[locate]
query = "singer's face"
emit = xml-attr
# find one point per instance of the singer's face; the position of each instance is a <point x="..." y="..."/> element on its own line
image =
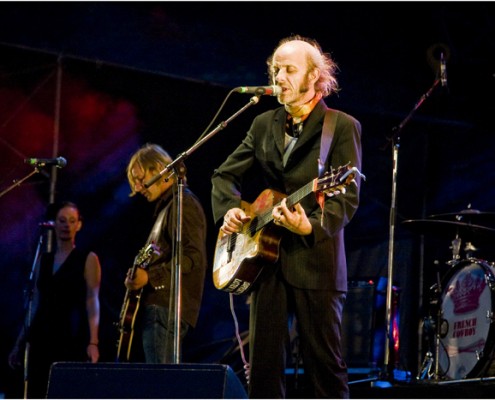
<point x="140" y="177"/>
<point x="290" y="72"/>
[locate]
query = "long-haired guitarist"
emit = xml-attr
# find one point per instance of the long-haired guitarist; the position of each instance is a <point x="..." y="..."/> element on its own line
<point x="155" y="280"/>
<point x="302" y="249"/>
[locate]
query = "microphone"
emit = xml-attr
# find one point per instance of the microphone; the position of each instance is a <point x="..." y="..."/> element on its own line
<point x="443" y="70"/>
<point x="260" y="90"/>
<point x="47" y="224"/>
<point x="60" y="162"/>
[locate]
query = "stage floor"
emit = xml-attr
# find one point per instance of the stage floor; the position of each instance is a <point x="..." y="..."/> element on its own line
<point x="484" y="389"/>
<point x="481" y="388"/>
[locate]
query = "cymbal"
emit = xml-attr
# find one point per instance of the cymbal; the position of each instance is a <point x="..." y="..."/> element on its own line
<point x="452" y="228"/>
<point x="469" y="216"/>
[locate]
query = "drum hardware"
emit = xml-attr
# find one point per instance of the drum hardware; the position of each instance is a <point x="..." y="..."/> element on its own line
<point x="425" y="372"/>
<point x="455" y="229"/>
<point x="461" y="337"/>
<point x="434" y="327"/>
<point x="438" y="333"/>
<point x="456" y="247"/>
<point x="468" y="380"/>
<point x="490" y="280"/>
<point x="469" y="249"/>
<point x="451" y="228"/>
<point x="469" y="216"/>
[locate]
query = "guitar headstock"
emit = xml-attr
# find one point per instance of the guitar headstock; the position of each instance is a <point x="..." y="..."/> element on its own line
<point x="335" y="181"/>
<point x="145" y="255"/>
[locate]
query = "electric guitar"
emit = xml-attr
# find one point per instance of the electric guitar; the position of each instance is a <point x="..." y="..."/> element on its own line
<point x="130" y="306"/>
<point x="235" y="264"/>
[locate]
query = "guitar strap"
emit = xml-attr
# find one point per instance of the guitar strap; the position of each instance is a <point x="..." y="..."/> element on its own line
<point x="157" y="227"/>
<point x="329" y="123"/>
<point x="327" y="133"/>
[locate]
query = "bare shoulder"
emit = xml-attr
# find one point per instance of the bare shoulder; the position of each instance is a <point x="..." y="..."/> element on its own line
<point x="92" y="260"/>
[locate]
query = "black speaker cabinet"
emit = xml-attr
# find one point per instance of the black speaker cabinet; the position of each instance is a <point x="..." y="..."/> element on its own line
<point x="358" y="324"/>
<point x="71" y="380"/>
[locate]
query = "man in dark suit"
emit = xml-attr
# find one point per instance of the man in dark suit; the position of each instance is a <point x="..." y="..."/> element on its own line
<point x="309" y="278"/>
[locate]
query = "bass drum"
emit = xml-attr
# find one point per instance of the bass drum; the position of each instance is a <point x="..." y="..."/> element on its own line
<point x="467" y="333"/>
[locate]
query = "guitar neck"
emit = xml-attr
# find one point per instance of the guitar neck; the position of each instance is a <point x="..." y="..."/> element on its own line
<point x="132" y="271"/>
<point x="265" y="218"/>
<point x="300" y="194"/>
<point x="331" y="183"/>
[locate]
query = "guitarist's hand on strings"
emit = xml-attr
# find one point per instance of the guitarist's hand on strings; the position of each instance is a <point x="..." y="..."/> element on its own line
<point x="140" y="279"/>
<point x="234" y="220"/>
<point x="295" y="220"/>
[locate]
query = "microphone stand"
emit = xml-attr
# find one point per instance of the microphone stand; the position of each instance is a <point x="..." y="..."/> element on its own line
<point x="180" y="173"/>
<point x="29" y="294"/>
<point x="390" y="273"/>
<point x="28" y="307"/>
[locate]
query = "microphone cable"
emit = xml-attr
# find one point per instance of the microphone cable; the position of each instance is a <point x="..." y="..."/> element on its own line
<point x="239" y="340"/>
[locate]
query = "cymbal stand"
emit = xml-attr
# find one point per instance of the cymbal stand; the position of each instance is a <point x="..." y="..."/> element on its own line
<point x="431" y="359"/>
<point x="456" y="248"/>
<point x="425" y="370"/>
<point x="436" y="374"/>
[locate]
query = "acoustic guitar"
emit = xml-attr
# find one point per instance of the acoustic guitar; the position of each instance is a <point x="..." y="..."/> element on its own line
<point x="236" y="264"/>
<point x="131" y="302"/>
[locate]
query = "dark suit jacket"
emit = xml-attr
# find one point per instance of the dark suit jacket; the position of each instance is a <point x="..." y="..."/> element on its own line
<point x="316" y="261"/>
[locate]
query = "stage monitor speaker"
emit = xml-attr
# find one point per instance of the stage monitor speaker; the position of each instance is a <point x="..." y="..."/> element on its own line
<point x="74" y="380"/>
<point x="358" y="324"/>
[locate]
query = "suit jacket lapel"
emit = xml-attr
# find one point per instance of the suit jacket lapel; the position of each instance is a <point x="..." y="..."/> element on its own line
<point x="278" y="130"/>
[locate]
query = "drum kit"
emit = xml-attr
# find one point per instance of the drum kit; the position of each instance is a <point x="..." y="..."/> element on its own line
<point x="462" y="345"/>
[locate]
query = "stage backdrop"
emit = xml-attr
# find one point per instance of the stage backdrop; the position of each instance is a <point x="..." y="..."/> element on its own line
<point x="95" y="107"/>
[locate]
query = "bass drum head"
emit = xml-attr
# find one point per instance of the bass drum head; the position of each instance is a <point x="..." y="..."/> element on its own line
<point x="466" y="332"/>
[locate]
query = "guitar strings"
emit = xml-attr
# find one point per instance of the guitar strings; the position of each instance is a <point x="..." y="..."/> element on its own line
<point x="294" y="198"/>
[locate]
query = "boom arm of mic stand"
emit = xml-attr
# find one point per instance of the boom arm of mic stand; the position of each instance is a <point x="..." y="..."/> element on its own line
<point x="199" y="143"/>
<point x="417" y="105"/>
<point x="393" y="217"/>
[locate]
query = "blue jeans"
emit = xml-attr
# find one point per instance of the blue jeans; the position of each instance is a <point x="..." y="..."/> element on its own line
<point x="158" y="335"/>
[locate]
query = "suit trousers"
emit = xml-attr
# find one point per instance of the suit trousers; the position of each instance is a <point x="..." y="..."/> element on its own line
<point x="319" y="324"/>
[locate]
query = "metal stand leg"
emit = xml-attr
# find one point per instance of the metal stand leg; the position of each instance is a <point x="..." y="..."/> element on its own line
<point x="425" y="371"/>
<point x="432" y="325"/>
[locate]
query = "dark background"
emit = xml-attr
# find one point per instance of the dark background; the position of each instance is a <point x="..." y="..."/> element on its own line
<point x="93" y="81"/>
